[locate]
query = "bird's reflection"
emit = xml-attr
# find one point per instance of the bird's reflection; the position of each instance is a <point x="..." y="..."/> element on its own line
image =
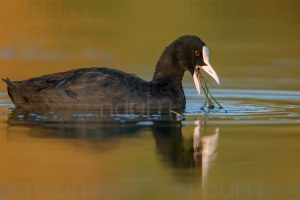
<point x="208" y="151"/>
<point x="197" y="152"/>
<point x="170" y="144"/>
<point x="180" y="147"/>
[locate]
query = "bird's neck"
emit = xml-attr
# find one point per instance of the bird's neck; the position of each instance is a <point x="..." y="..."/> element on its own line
<point x="168" y="67"/>
<point x="164" y="73"/>
<point x="167" y="80"/>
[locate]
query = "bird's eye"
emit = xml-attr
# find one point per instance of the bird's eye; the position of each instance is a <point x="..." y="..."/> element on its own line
<point x="197" y="53"/>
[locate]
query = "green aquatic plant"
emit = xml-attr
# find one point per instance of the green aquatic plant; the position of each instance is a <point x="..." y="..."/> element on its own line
<point x="210" y="99"/>
<point x="200" y="80"/>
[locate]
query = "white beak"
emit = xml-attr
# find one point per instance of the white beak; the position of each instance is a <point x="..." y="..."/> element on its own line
<point x="207" y="68"/>
<point x="197" y="81"/>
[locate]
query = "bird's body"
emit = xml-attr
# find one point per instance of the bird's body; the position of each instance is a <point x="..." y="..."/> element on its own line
<point x="110" y="88"/>
<point x="103" y="87"/>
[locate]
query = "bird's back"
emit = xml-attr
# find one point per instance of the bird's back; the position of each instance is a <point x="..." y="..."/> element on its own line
<point x="86" y="87"/>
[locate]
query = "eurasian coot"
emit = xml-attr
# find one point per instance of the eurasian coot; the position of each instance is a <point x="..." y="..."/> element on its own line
<point x="100" y="87"/>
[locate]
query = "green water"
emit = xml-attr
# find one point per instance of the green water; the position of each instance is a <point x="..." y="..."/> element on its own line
<point x="248" y="150"/>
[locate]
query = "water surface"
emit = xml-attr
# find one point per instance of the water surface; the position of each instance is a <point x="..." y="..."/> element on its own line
<point x="248" y="150"/>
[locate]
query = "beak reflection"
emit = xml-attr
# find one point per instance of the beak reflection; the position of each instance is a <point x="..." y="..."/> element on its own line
<point x="207" y="153"/>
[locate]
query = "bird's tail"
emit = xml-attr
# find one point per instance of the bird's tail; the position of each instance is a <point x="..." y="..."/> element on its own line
<point x="11" y="88"/>
<point x="7" y="81"/>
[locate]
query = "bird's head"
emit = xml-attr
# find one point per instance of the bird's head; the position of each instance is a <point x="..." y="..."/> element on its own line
<point x="193" y="55"/>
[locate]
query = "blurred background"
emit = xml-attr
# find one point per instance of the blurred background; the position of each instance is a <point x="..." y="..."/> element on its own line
<point x="254" y="44"/>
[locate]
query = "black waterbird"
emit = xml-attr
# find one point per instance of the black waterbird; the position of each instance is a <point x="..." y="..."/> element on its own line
<point x="98" y="87"/>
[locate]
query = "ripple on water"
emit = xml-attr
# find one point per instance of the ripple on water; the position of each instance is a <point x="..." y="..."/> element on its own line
<point x="250" y="106"/>
<point x="240" y="107"/>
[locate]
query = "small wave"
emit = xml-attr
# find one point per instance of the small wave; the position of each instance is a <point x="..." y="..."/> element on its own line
<point x="239" y="107"/>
